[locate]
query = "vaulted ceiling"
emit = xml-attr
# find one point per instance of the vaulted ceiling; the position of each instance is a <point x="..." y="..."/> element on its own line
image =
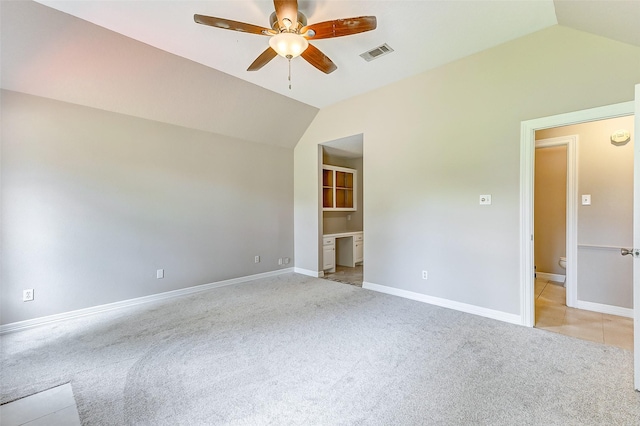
<point x="98" y="54"/>
<point x="423" y="34"/>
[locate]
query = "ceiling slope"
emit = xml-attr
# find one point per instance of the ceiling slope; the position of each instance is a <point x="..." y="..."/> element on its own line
<point x="618" y="20"/>
<point x="424" y="34"/>
<point x="52" y="54"/>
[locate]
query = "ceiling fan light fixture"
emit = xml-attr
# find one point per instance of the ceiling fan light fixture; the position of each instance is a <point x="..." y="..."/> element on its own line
<point x="288" y="45"/>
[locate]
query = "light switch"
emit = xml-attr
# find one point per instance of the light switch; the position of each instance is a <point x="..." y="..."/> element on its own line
<point x="586" y="200"/>
<point x="485" y="199"/>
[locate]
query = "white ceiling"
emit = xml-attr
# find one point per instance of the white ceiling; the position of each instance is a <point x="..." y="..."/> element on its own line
<point x="347" y="147"/>
<point x="50" y="54"/>
<point x="56" y="55"/>
<point x="424" y="34"/>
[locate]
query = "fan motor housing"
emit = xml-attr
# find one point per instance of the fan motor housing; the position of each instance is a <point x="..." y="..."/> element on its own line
<point x="302" y="22"/>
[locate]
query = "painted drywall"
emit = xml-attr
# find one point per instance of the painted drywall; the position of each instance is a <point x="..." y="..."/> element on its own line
<point x="550" y="214"/>
<point x="605" y="171"/>
<point x="94" y="202"/>
<point x="436" y="141"/>
<point x="337" y="222"/>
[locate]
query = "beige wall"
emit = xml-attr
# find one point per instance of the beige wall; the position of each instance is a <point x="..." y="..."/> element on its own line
<point x="550" y="208"/>
<point x="94" y="202"/>
<point x="436" y="141"/>
<point x="605" y="171"/>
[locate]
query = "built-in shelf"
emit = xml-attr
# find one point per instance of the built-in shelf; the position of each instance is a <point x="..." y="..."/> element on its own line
<point x="338" y="188"/>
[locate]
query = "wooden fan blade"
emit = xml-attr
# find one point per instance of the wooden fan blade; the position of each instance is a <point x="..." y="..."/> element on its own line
<point x="341" y="27"/>
<point x="319" y="60"/>
<point x="263" y="59"/>
<point x="286" y="9"/>
<point x="227" y="24"/>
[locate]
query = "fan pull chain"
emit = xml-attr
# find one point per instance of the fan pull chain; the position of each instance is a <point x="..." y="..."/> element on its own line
<point x="289" y="57"/>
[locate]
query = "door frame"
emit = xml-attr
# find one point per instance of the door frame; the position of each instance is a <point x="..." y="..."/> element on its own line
<point x="527" y="158"/>
<point x="571" y="203"/>
<point x="636" y="243"/>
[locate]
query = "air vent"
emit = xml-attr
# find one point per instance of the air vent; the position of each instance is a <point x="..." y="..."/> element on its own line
<point x="377" y="52"/>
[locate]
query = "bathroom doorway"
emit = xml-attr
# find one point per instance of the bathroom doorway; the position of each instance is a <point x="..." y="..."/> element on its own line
<point x="596" y="303"/>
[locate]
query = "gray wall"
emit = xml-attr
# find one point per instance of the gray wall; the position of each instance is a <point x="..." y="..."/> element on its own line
<point x="605" y="171"/>
<point x="436" y="141"/>
<point x="94" y="202"/>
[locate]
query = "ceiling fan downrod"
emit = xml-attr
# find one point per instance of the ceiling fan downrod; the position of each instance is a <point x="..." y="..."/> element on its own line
<point x="289" y="57"/>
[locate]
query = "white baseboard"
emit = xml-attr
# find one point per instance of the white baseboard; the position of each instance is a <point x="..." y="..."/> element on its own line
<point x="445" y="303"/>
<point x="559" y="278"/>
<point x="604" y="309"/>
<point x="22" y="325"/>
<point x="308" y="272"/>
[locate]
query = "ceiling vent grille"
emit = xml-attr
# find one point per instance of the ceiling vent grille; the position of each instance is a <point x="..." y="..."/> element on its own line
<point x="377" y="52"/>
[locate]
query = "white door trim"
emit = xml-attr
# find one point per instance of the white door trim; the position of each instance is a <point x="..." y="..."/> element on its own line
<point x="636" y="243"/>
<point x="571" y="250"/>
<point x="527" y="157"/>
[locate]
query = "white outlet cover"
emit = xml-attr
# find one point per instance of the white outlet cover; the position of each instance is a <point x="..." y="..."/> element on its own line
<point x="485" y="199"/>
<point x="27" y="295"/>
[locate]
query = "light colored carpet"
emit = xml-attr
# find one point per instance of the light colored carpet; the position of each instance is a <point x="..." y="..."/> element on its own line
<point x="303" y="351"/>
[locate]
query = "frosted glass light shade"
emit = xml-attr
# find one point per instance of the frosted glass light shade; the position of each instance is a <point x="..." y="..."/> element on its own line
<point x="288" y="44"/>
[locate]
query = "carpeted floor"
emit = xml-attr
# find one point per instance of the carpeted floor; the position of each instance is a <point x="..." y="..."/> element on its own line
<point x="303" y="351"/>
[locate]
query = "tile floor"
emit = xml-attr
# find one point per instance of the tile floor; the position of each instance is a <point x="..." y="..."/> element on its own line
<point x="53" y="407"/>
<point x="347" y="275"/>
<point x="552" y="314"/>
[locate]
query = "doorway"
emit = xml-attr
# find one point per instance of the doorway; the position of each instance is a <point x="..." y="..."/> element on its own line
<point x="599" y="292"/>
<point x="341" y="216"/>
<point x="527" y="155"/>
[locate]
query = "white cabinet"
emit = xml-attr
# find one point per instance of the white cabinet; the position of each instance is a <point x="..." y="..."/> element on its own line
<point x="358" y="248"/>
<point x="345" y="249"/>
<point x="339" y="186"/>
<point x="328" y="253"/>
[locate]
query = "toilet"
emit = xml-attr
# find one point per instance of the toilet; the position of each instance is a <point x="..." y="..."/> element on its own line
<point x="563" y="262"/>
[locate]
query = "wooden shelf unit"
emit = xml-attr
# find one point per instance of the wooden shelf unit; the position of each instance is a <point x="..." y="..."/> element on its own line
<point x="339" y="186"/>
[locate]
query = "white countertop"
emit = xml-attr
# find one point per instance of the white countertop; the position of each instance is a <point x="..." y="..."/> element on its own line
<point x="343" y="234"/>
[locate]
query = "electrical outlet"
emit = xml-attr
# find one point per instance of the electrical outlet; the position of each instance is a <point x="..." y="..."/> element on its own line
<point x="425" y="275"/>
<point x="280" y="261"/>
<point x="286" y="260"/>
<point x="27" y="295"/>
<point x="160" y="273"/>
<point x="256" y="259"/>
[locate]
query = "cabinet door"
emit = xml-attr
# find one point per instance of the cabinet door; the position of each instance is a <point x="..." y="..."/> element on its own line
<point x="328" y="257"/>
<point x="359" y="251"/>
<point x="328" y="188"/>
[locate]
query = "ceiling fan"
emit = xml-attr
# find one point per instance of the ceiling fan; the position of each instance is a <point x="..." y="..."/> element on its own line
<point x="289" y="34"/>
